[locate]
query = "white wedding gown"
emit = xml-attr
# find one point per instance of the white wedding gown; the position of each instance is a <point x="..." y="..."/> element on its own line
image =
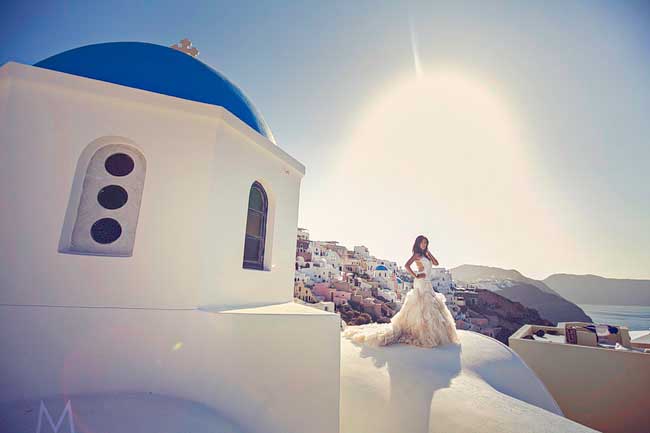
<point x="424" y="320"/>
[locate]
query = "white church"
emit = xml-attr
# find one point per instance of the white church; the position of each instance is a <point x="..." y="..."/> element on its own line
<point x="148" y="231"/>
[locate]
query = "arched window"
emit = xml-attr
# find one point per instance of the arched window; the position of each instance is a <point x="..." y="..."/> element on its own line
<point x="109" y="202"/>
<point x="256" y="227"/>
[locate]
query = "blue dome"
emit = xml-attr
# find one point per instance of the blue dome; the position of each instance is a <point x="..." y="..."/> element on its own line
<point x="158" y="69"/>
<point x="381" y="268"/>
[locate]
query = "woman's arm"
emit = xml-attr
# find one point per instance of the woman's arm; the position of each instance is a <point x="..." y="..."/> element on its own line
<point x="433" y="259"/>
<point x="407" y="265"/>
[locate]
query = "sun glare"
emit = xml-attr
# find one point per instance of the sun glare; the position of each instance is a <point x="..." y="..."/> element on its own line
<point x="449" y="146"/>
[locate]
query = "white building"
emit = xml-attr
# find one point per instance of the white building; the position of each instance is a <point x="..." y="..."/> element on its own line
<point x="387" y="294"/>
<point x="362" y="251"/>
<point x="333" y="259"/>
<point x="386" y="277"/>
<point x="371" y="264"/>
<point x="303" y="234"/>
<point x="146" y="207"/>
<point x="320" y="271"/>
<point x="302" y="277"/>
<point x="316" y="249"/>
<point x="300" y="262"/>
<point x="382" y="272"/>
<point x="442" y="281"/>
<point x="393" y="266"/>
<point x="364" y="285"/>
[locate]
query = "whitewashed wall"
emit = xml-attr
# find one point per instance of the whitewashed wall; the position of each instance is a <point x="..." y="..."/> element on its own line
<point x="201" y="162"/>
<point x="259" y="367"/>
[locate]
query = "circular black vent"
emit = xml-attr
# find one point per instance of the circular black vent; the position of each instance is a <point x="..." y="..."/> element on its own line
<point x="106" y="230"/>
<point x="112" y="197"/>
<point x="119" y="164"/>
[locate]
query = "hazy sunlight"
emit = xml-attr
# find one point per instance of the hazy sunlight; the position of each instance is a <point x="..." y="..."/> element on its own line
<point x="449" y="144"/>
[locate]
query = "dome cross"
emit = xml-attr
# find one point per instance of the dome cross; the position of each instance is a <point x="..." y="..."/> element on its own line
<point x="185" y="46"/>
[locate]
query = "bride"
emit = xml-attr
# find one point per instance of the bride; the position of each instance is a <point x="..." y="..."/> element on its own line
<point x="424" y="320"/>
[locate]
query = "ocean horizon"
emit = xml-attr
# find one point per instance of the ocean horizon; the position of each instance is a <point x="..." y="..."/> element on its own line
<point x="635" y="317"/>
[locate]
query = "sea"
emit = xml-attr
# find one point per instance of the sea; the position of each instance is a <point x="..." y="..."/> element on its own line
<point x="636" y="318"/>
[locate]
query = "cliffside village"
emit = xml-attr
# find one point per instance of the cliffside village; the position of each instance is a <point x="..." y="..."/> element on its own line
<point x="362" y="288"/>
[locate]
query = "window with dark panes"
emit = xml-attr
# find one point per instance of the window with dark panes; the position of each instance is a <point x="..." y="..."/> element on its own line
<point x="255" y="228"/>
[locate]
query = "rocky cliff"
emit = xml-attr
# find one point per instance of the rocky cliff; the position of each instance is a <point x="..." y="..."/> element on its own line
<point x="505" y="314"/>
<point x="519" y="288"/>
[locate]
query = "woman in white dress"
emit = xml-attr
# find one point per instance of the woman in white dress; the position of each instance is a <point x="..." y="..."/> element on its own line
<point x="424" y="320"/>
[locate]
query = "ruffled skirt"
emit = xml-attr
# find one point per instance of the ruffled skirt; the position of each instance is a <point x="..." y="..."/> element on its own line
<point x="424" y="320"/>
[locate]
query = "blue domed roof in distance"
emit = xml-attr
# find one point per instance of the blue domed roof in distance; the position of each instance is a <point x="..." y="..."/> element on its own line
<point x="158" y="69"/>
<point x="381" y="268"/>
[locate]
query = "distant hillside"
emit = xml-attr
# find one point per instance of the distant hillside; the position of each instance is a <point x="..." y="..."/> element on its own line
<point x="592" y="289"/>
<point x="480" y="272"/>
<point x="519" y="288"/>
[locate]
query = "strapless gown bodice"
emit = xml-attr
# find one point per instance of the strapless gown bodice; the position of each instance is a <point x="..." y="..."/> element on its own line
<point x="426" y="263"/>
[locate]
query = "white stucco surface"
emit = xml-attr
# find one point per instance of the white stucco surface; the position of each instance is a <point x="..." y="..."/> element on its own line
<point x="114" y="413"/>
<point x="250" y="366"/>
<point x="201" y="162"/>
<point x="480" y="386"/>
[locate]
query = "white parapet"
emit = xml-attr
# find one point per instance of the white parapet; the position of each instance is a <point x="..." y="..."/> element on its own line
<point x="254" y="366"/>
<point x="603" y="388"/>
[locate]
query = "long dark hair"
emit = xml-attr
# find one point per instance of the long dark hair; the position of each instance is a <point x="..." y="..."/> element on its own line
<point x="416" y="246"/>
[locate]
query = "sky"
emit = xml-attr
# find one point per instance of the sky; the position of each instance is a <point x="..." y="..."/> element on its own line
<point x="511" y="134"/>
